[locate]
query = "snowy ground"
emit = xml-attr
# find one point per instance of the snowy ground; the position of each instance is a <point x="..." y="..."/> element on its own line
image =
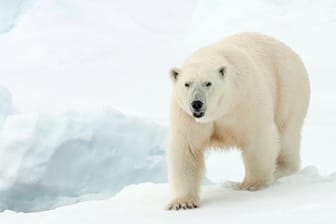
<point x="70" y="65"/>
<point x="305" y="197"/>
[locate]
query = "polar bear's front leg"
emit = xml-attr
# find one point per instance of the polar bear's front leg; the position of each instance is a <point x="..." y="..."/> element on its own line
<point x="260" y="160"/>
<point x="185" y="171"/>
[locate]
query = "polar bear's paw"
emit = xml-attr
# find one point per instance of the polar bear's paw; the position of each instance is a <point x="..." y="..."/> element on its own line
<point x="253" y="186"/>
<point x="183" y="203"/>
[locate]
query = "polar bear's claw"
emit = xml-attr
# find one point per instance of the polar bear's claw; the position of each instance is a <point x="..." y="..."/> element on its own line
<point x="176" y="205"/>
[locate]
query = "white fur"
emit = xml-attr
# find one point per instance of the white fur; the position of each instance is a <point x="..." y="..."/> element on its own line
<point x="258" y="106"/>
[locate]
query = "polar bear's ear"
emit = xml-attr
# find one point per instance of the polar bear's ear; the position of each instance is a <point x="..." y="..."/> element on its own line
<point x="221" y="70"/>
<point x="174" y="73"/>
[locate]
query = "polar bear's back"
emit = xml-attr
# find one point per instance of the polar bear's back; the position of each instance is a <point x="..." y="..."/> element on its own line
<point x="284" y="71"/>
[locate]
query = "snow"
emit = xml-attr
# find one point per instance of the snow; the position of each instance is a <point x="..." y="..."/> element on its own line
<point x="5" y="106"/>
<point x="305" y="196"/>
<point x="11" y="12"/>
<point x="104" y="44"/>
<point x="69" y="67"/>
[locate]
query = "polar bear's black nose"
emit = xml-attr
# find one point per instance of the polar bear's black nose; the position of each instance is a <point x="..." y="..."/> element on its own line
<point x="197" y="105"/>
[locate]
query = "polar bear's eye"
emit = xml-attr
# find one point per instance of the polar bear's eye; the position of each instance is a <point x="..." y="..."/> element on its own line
<point x="208" y="84"/>
<point x="187" y="84"/>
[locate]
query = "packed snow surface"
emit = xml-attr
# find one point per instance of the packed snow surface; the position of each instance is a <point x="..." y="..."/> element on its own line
<point x="305" y="197"/>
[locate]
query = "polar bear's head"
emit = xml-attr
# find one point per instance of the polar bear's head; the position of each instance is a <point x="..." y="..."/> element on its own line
<point x="204" y="92"/>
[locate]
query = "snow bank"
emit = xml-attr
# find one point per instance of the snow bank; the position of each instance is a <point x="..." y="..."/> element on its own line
<point x="48" y="160"/>
<point x="306" y="197"/>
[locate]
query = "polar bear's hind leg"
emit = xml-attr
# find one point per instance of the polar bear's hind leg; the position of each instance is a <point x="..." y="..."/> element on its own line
<point x="288" y="161"/>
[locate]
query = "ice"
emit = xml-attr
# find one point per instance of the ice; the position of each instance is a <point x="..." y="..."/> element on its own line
<point x="48" y="160"/>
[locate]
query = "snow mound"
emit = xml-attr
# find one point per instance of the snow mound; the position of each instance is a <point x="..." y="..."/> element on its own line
<point x="305" y="196"/>
<point x="48" y="160"/>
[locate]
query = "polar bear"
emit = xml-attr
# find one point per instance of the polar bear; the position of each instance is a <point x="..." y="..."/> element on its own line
<point x="248" y="91"/>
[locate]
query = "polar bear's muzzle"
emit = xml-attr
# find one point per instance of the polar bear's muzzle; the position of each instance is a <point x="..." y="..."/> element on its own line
<point x="198" y="103"/>
<point x="197" y="108"/>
